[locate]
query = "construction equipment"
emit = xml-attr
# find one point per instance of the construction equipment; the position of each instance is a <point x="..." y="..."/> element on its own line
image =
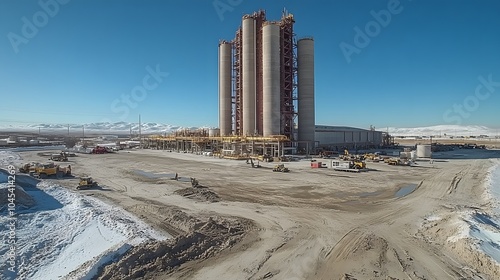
<point x="59" y="157"/>
<point x="28" y="167"/>
<point x="44" y="171"/>
<point x="398" y="161"/>
<point x="372" y="157"/>
<point x="86" y="183"/>
<point x="280" y="168"/>
<point x="250" y="161"/>
<point x="101" y="150"/>
<point x="357" y="164"/>
<point x="265" y="158"/>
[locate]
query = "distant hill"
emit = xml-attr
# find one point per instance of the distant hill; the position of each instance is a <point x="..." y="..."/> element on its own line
<point x="444" y="130"/>
<point x="103" y="127"/>
<point x="158" y="128"/>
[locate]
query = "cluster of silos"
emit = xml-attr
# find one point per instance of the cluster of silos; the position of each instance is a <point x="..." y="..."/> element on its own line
<point x="252" y="82"/>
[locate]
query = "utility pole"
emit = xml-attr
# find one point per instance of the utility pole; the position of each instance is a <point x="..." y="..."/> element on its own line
<point x="140" y="137"/>
<point x="68" y="130"/>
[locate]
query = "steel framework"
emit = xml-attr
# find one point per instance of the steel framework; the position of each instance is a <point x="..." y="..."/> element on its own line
<point x="237" y="89"/>
<point x="288" y="70"/>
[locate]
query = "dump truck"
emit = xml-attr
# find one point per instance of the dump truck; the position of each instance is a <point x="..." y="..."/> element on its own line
<point x="44" y="171"/>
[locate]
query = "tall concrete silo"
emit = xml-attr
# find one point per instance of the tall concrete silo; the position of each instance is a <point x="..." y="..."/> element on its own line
<point x="225" y="65"/>
<point x="249" y="75"/>
<point x="305" y="91"/>
<point x="271" y="78"/>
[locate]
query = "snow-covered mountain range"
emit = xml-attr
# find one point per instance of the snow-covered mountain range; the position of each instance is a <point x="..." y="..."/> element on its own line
<point x="445" y="130"/>
<point x="150" y="128"/>
<point x="102" y="127"/>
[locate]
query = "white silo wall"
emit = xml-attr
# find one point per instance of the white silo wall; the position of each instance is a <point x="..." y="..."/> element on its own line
<point x="225" y="73"/>
<point x="271" y="79"/>
<point x="305" y="79"/>
<point x="248" y="76"/>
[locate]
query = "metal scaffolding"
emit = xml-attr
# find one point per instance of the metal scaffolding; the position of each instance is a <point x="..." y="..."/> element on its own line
<point x="237" y="89"/>
<point x="288" y="74"/>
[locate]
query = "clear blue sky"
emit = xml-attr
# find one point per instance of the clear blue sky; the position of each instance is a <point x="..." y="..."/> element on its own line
<point x="85" y="55"/>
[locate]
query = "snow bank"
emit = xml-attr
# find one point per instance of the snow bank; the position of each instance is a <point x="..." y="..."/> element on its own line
<point x="482" y="227"/>
<point x="67" y="231"/>
<point x="8" y="157"/>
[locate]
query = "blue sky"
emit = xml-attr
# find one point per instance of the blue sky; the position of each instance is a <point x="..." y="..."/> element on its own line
<point x="84" y="58"/>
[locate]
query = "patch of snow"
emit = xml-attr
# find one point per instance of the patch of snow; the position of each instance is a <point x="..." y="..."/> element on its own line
<point x="461" y="232"/>
<point x="66" y="230"/>
<point x="433" y="218"/>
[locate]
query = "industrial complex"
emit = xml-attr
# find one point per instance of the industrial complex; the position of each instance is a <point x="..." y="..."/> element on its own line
<point x="266" y="98"/>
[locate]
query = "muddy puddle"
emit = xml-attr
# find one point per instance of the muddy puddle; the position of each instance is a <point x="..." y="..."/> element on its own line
<point x="406" y="190"/>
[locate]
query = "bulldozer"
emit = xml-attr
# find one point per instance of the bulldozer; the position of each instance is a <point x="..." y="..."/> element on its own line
<point x="86" y="183"/>
<point x="280" y="168"/>
<point x="357" y="164"/>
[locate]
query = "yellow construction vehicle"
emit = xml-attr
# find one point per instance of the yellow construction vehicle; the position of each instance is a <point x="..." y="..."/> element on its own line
<point x="392" y="161"/>
<point x="43" y="171"/>
<point x="265" y="158"/>
<point x="357" y="164"/>
<point x="280" y="168"/>
<point x="86" y="183"/>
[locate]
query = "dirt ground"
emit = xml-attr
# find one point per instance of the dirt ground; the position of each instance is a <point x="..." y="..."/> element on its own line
<point x="252" y="223"/>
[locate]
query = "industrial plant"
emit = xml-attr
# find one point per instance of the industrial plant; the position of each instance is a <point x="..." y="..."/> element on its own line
<point x="266" y="98"/>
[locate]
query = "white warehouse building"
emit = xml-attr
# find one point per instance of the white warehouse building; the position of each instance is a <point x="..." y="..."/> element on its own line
<point x="341" y="137"/>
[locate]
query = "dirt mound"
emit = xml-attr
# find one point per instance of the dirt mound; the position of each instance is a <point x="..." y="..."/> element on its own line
<point x="201" y="194"/>
<point x="205" y="239"/>
<point x="22" y="198"/>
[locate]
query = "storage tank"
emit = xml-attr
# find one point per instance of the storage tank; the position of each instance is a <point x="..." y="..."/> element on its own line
<point x="305" y="92"/>
<point x="214" y="132"/>
<point x="413" y="155"/>
<point x="271" y="79"/>
<point x="424" y="151"/>
<point x="248" y="76"/>
<point x="13" y="138"/>
<point x="225" y="72"/>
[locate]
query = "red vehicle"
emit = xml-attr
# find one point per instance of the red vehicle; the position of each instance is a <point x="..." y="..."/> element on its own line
<point x="99" y="150"/>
